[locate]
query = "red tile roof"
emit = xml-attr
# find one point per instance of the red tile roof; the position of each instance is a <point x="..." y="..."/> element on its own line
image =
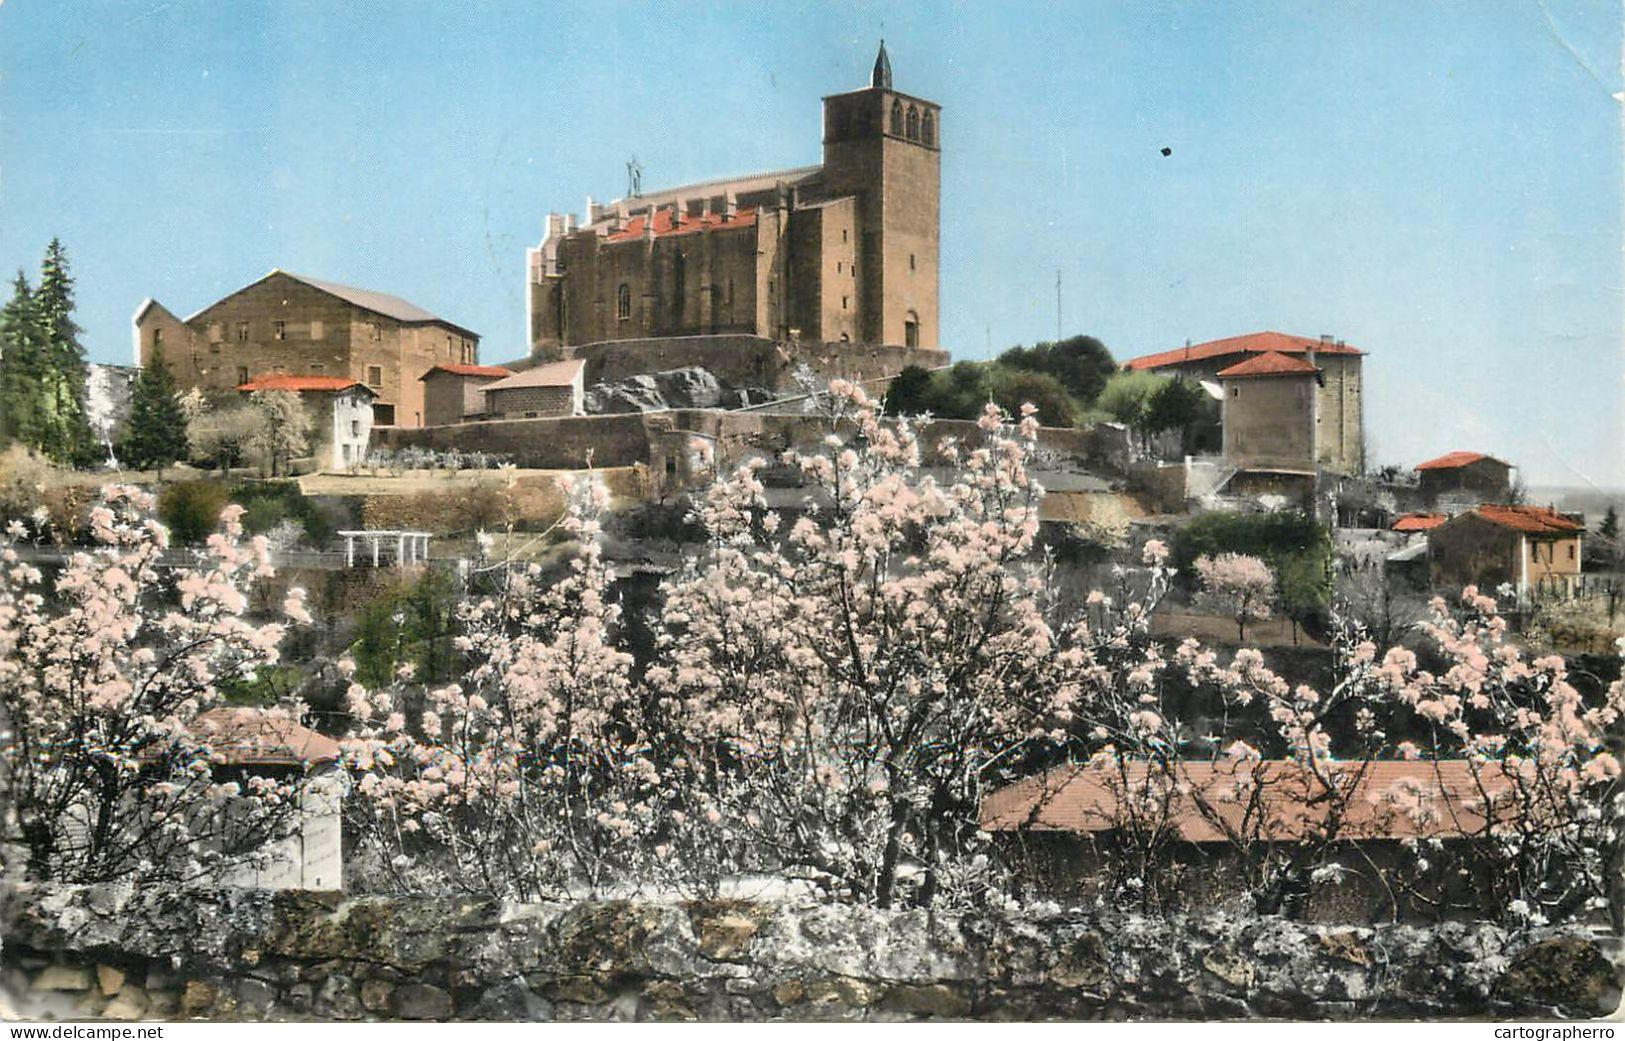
<point x="1456" y="460"/>
<point x="495" y="371"/>
<point x="1209" y="802"/>
<point x="1533" y="520"/>
<point x="288" y="381"/>
<point x="1252" y="343"/>
<point x="1270" y="363"/>
<point x="1419" y="521"/>
<point x="257" y="737"/>
<point x="690" y="223"/>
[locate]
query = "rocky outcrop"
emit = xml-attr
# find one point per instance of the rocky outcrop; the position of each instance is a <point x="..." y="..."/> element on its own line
<point x="675" y="388"/>
<point x="114" y="953"/>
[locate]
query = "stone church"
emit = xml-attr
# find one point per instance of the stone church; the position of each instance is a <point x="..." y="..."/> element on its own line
<point x="840" y="253"/>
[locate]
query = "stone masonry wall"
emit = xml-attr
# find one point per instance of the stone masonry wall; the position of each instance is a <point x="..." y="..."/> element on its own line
<point x="234" y="954"/>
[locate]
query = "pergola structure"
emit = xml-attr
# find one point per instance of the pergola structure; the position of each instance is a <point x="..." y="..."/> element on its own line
<point x="411" y="547"/>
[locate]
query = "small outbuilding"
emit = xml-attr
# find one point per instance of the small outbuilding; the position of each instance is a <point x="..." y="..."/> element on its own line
<point x="259" y="741"/>
<point x="456" y="393"/>
<point x="554" y="389"/>
<point x="1487" y="478"/>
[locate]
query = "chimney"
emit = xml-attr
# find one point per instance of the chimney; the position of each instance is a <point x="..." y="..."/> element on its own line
<point x="569" y="223"/>
<point x="730" y="205"/>
<point x="592" y="211"/>
<point x="649" y="224"/>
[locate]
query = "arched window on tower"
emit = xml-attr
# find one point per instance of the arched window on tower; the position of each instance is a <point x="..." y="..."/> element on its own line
<point x="928" y="129"/>
<point x="911" y="330"/>
<point x="913" y="123"/>
<point x="623" y="302"/>
<point x="897" y="118"/>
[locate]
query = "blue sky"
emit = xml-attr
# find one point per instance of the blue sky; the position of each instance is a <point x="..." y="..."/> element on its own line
<point x="1438" y="184"/>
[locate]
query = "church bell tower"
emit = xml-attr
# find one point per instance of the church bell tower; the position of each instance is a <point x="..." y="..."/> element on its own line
<point x="883" y="147"/>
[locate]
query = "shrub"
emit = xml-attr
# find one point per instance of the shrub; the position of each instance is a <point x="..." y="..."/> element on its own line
<point x="191" y="508"/>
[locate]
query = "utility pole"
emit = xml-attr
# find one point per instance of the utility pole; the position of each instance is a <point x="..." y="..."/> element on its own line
<point x="1057" y="305"/>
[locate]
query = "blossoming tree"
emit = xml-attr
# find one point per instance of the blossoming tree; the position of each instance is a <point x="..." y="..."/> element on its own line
<point x="1239" y="585"/>
<point x="527" y="776"/>
<point x="104" y="665"/>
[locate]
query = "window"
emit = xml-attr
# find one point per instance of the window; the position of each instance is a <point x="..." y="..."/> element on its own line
<point x="897" y="118"/>
<point x="911" y="330"/>
<point x="316" y="330"/>
<point x="838" y="266"/>
<point x="1571" y="551"/>
<point x="377" y="333"/>
<point x="623" y="302"/>
<point x="216" y="333"/>
<point x="843" y="234"/>
<point x="911" y="262"/>
<point x="843" y="303"/>
<point x="317" y="368"/>
<point x="375" y="376"/>
<point x="279" y="330"/>
<point x="913" y="123"/>
<point x="928" y="130"/>
<point x="383" y="415"/>
<point x="157" y="338"/>
<point x="242" y="374"/>
<point x="242" y="332"/>
<point x="1235" y="392"/>
<point x="355" y="428"/>
<point x="845" y="338"/>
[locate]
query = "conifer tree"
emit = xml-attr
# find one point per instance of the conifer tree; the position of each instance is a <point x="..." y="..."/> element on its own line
<point x="66" y="434"/>
<point x="22" y="364"/>
<point x="156" y="432"/>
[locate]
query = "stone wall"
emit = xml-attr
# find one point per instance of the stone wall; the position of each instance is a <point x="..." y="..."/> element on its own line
<point x="234" y="954"/>
<point x="560" y="443"/>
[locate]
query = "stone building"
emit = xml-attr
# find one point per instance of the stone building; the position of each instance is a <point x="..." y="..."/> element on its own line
<point x="454" y="393"/>
<point x="844" y="252"/>
<point x="553" y="389"/>
<point x="1267" y="413"/>
<point x="1534" y="549"/>
<point x="1338" y="402"/>
<point x="291" y="324"/>
<point x="340" y="411"/>
<point x="1470" y="477"/>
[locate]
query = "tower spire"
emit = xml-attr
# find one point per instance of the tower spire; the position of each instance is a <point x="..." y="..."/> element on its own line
<point x="881" y="76"/>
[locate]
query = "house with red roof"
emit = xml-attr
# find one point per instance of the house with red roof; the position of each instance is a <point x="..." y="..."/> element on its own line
<point x="1053" y="827"/>
<point x="1267" y="413"/>
<point x="453" y="393"/>
<point x="246" y="742"/>
<point x="1271" y="371"/>
<point x="1534" y="549"/>
<point x="1478" y="477"/>
<point x="340" y="411"/>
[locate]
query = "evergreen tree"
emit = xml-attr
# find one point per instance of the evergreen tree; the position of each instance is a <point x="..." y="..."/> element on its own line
<point x="1609" y="528"/>
<point x="22" y="366"/>
<point x="65" y="434"/>
<point x="156" y="434"/>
